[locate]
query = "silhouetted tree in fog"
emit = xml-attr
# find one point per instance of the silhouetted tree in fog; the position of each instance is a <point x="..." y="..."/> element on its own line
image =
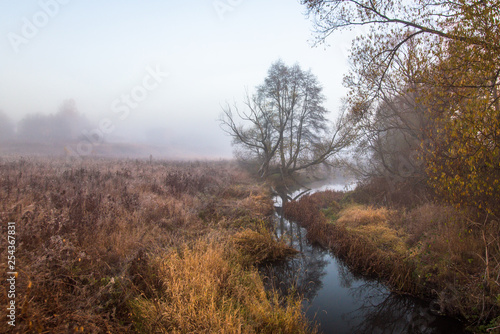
<point x="284" y="126"/>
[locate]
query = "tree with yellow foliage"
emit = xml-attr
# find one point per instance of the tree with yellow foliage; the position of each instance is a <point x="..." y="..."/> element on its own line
<point x="452" y="68"/>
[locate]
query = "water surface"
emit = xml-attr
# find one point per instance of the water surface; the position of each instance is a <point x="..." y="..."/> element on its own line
<point x="342" y="302"/>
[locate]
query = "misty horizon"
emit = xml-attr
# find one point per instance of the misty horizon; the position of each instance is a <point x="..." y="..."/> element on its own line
<point x="70" y="132"/>
<point x="153" y="76"/>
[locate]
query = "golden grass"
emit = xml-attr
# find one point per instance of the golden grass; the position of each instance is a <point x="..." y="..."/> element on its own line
<point x="373" y="223"/>
<point x="205" y="289"/>
<point x="357" y="215"/>
<point x="259" y="246"/>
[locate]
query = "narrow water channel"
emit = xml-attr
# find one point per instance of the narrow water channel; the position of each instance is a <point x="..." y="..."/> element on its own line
<point x="342" y="302"/>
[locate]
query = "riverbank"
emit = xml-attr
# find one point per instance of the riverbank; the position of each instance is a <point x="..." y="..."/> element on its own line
<point x="127" y="246"/>
<point x="429" y="251"/>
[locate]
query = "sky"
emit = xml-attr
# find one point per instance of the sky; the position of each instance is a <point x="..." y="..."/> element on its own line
<point x="156" y="71"/>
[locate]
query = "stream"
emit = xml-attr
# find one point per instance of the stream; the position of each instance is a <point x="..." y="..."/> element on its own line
<point x="340" y="301"/>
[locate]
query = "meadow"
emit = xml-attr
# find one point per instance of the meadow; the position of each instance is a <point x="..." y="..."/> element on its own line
<point x="133" y="246"/>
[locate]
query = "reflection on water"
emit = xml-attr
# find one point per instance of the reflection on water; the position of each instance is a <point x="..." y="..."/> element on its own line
<point x="342" y="302"/>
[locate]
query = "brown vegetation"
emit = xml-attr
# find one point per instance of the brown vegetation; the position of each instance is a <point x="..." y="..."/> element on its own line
<point x="357" y="249"/>
<point x="206" y="289"/>
<point x="432" y="251"/>
<point x="260" y="246"/>
<point x="108" y="246"/>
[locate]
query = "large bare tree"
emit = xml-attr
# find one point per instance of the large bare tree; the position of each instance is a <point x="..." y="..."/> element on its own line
<point x="283" y="125"/>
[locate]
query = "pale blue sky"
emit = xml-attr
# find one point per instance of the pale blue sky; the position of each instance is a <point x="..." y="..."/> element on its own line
<point x="96" y="51"/>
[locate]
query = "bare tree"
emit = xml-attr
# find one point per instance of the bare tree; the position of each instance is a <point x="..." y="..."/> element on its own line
<point x="284" y="126"/>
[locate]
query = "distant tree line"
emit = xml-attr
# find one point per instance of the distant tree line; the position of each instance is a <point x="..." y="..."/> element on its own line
<point x="65" y="125"/>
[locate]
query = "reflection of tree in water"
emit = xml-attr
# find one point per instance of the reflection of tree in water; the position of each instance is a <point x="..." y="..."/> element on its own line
<point x="384" y="312"/>
<point x="379" y="310"/>
<point x="303" y="273"/>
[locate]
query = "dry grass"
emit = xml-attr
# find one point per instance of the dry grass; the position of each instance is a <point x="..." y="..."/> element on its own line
<point x="431" y="250"/>
<point x="357" y="215"/>
<point x="260" y="246"/>
<point x="205" y="289"/>
<point x="373" y="224"/>
<point x="456" y="258"/>
<point x="358" y="249"/>
<point x="89" y="234"/>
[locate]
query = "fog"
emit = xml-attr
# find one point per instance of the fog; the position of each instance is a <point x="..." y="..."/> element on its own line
<point x="70" y="132"/>
<point x="134" y="78"/>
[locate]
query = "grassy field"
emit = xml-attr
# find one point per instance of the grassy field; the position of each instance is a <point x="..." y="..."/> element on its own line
<point x="125" y="246"/>
<point x="430" y="250"/>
